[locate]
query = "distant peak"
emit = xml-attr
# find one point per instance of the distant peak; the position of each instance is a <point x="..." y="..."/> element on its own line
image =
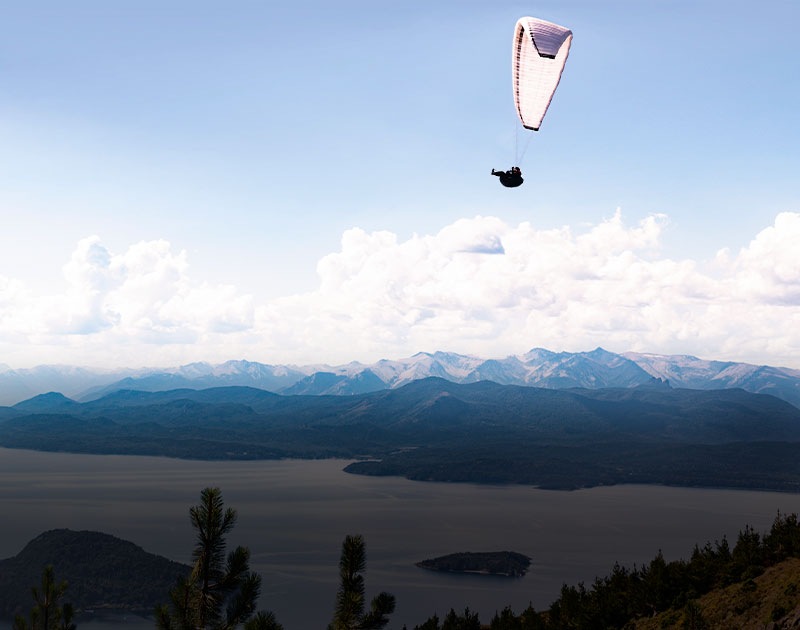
<point x="655" y="383"/>
<point x="538" y="353"/>
<point x="48" y="399"/>
<point x="52" y="396"/>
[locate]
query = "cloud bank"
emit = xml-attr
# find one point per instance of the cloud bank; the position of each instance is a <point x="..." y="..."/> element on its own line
<point x="479" y="286"/>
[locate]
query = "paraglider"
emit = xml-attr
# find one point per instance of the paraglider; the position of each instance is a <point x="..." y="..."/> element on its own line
<point x="510" y="178"/>
<point x="539" y="52"/>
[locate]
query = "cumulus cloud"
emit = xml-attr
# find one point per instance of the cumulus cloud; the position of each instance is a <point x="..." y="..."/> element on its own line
<point x="118" y="306"/>
<point x="768" y="268"/>
<point x="477" y="286"/>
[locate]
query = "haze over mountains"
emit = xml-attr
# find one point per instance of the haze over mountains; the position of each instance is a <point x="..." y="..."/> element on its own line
<point x="539" y="367"/>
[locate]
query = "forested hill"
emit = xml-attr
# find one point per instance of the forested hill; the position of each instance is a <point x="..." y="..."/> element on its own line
<point x="770" y="600"/>
<point x="102" y="571"/>
<point x="436" y="429"/>
<point x="435" y="405"/>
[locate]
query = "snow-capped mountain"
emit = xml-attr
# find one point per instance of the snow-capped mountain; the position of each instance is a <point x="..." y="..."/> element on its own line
<point x="538" y="367"/>
<point x="592" y="370"/>
<point x="694" y="373"/>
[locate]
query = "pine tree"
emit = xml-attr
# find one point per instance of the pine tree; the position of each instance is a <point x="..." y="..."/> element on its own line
<point x="349" y="611"/>
<point x="263" y="621"/>
<point x="467" y="621"/>
<point x="216" y="583"/>
<point x="47" y="614"/>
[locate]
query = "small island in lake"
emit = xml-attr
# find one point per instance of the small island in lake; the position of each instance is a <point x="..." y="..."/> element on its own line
<point x="506" y="563"/>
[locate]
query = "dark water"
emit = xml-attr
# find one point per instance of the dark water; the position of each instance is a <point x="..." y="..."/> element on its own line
<point x="294" y="514"/>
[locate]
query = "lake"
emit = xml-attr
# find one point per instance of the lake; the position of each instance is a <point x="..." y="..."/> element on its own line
<point x="294" y="514"/>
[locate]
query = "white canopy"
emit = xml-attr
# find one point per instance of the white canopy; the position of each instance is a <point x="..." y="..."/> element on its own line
<point x="538" y="58"/>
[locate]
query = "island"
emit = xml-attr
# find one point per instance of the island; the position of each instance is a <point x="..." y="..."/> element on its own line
<point x="103" y="573"/>
<point x="504" y="563"/>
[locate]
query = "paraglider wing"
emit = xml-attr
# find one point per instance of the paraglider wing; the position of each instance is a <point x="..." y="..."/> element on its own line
<point x="540" y="52"/>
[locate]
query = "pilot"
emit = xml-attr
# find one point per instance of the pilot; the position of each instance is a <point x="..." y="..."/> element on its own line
<point x="510" y="178"/>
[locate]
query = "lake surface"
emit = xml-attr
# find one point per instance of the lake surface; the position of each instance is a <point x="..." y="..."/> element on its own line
<point x="294" y="514"/>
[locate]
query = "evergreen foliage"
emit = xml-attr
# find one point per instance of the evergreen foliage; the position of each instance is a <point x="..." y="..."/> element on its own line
<point x="220" y="593"/>
<point x="529" y="619"/>
<point x="263" y="621"/>
<point x="349" y="610"/>
<point x="46" y="613"/>
<point x="467" y="621"/>
<point x="454" y="621"/>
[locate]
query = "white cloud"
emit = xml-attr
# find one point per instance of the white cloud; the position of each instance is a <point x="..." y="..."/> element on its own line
<point x="769" y="267"/>
<point x="478" y="286"/>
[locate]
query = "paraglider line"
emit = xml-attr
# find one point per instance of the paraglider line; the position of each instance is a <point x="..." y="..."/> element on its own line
<point x="525" y="149"/>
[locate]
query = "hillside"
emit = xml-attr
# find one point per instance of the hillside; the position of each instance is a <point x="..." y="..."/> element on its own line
<point x="770" y="600"/>
<point x="102" y="571"/>
<point x="433" y="429"/>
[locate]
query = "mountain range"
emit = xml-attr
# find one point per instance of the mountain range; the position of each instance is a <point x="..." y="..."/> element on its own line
<point x="539" y="368"/>
<point x="434" y="429"/>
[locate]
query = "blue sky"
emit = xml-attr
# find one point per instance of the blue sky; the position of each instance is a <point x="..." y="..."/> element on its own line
<point x="252" y="136"/>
